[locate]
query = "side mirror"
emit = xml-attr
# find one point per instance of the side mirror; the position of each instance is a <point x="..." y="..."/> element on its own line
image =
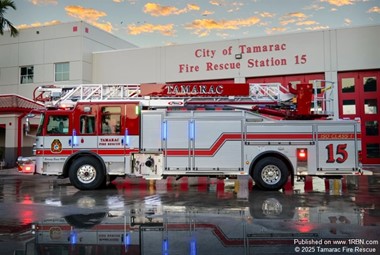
<point x="27" y="126"/>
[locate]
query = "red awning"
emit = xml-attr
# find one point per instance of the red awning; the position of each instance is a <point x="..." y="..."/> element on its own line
<point x="10" y="103"/>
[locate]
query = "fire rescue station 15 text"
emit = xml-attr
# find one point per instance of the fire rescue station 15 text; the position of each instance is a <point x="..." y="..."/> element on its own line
<point x="261" y="61"/>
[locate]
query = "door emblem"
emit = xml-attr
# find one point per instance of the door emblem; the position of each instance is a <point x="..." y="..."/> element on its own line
<point x="56" y="146"/>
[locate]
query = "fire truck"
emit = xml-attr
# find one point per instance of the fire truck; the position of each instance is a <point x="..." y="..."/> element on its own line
<point x="93" y="133"/>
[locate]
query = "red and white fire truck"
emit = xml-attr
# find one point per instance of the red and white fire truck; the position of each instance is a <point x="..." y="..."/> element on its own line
<point x="95" y="133"/>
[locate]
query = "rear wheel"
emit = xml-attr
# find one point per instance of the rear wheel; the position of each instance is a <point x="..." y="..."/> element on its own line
<point x="270" y="173"/>
<point x="86" y="173"/>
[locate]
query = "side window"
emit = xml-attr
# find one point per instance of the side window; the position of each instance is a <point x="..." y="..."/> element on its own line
<point x="111" y="116"/>
<point x="87" y="124"/>
<point x="58" y="124"/>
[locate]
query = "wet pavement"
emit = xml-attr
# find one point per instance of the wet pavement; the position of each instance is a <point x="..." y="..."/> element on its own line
<point x="46" y="215"/>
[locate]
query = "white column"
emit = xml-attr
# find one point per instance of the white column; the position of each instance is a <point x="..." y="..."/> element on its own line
<point x="333" y="77"/>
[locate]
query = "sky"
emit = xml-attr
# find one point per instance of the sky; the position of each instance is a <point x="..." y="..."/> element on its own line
<point x="158" y="23"/>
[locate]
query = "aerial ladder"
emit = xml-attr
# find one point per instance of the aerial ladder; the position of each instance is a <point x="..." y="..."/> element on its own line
<point x="267" y="98"/>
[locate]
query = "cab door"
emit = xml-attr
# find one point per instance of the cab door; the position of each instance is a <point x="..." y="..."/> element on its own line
<point x="57" y="141"/>
<point x="110" y="144"/>
<point x="130" y="131"/>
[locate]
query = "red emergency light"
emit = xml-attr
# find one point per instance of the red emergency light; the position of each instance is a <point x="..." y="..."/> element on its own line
<point x="301" y="154"/>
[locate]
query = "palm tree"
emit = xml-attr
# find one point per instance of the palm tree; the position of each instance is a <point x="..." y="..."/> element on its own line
<point x="4" y="5"/>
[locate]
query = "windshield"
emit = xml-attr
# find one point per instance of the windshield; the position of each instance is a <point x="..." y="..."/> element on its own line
<point x="39" y="130"/>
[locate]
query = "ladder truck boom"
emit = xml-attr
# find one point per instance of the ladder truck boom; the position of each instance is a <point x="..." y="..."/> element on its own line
<point x="262" y="97"/>
<point x="150" y="94"/>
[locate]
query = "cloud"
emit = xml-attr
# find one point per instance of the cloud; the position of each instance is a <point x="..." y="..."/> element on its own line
<point x="80" y="12"/>
<point x="235" y="6"/>
<point x="223" y="35"/>
<point x="160" y="10"/>
<point x="317" y="28"/>
<point x="193" y="7"/>
<point x="107" y="26"/>
<point x="267" y="14"/>
<point x="292" y="17"/>
<point x="89" y="15"/>
<point x="202" y="27"/>
<point x="216" y="2"/>
<point x="314" y="7"/>
<point x="206" y="13"/>
<point x="38" y="24"/>
<point x="347" y="21"/>
<point x="39" y="2"/>
<point x="122" y="1"/>
<point x="299" y="15"/>
<point x="339" y="2"/>
<point x="231" y="6"/>
<point x="167" y="30"/>
<point x="375" y="9"/>
<point x="306" y="23"/>
<point x="275" y="29"/>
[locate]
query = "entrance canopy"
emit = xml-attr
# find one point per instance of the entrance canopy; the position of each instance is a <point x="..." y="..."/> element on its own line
<point x="11" y="103"/>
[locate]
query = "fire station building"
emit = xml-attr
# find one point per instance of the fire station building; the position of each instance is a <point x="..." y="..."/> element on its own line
<point x="76" y="53"/>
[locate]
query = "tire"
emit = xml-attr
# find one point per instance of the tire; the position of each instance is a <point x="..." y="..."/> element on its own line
<point x="86" y="174"/>
<point x="85" y="221"/>
<point x="270" y="174"/>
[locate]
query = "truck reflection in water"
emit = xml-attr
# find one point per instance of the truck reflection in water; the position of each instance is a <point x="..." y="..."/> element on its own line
<point x="263" y="223"/>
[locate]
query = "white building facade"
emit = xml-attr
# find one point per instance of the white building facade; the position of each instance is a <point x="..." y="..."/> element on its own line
<point x="59" y="54"/>
<point x="75" y="53"/>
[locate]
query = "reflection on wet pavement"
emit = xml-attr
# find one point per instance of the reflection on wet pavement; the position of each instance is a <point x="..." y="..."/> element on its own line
<point x="191" y="216"/>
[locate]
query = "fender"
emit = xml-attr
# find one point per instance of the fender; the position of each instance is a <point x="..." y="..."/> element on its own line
<point x="71" y="158"/>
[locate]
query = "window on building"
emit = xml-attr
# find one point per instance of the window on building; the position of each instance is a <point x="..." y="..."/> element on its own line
<point x="111" y="116"/>
<point x="348" y="85"/>
<point x="372" y="128"/>
<point x="87" y="124"/>
<point x="373" y="150"/>
<point x="58" y="124"/>
<point x="349" y="107"/>
<point x="26" y="74"/>
<point x="370" y="106"/>
<point x="62" y="71"/>
<point x="370" y="84"/>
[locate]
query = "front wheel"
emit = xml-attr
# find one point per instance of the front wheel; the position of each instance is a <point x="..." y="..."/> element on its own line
<point x="86" y="174"/>
<point x="270" y="173"/>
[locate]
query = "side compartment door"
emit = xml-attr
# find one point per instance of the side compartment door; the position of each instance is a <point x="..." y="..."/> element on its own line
<point x="217" y="145"/>
<point x="176" y="136"/>
<point x="337" y="147"/>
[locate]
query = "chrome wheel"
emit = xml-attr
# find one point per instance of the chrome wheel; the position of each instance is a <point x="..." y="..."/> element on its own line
<point x="271" y="174"/>
<point x="86" y="174"/>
